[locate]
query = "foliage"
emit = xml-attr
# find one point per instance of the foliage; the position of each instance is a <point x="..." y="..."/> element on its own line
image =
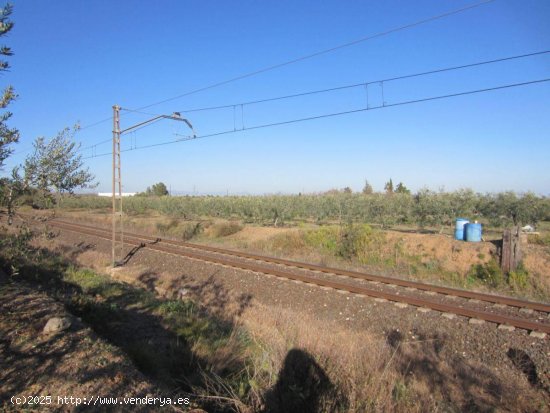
<point x="402" y="189"/>
<point x="519" y="279"/>
<point x="508" y="208"/>
<point x="350" y="241"/>
<point x="191" y="230"/>
<point x="388" y="187"/>
<point x="56" y="165"/>
<point x="426" y="207"/>
<point x="367" y="189"/>
<point x="7" y="135"/>
<point x="11" y="189"/>
<point x="156" y="190"/>
<point x="15" y="249"/>
<point x="489" y="273"/>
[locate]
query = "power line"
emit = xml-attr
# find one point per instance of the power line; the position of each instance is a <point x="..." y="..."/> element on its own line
<point x="302" y="58"/>
<point x="431" y="72"/>
<point x="322" y="52"/>
<point x="350" y="86"/>
<point x="334" y="114"/>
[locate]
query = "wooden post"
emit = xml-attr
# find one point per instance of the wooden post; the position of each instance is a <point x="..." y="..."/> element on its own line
<point x="511" y="250"/>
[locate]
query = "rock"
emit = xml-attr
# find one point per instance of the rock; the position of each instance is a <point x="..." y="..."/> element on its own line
<point x="56" y="324"/>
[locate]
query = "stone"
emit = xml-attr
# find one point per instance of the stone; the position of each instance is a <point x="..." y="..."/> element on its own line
<point x="537" y="334"/>
<point x="476" y="321"/>
<point x="526" y="311"/>
<point x="401" y="305"/>
<point x="506" y="327"/>
<point x="56" y="324"/>
<point x="423" y="309"/>
<point x="343" y="291"/>
<point x="380" y="300"/>
<point x="450" y="316"/>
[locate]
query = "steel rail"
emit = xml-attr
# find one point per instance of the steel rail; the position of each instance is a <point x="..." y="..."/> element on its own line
<point x="491" y="298"/>
<point x="417" y="302"/>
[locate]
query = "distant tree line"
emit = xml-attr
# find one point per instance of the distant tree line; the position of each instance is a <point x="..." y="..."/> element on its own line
<point x="423" y="208"/>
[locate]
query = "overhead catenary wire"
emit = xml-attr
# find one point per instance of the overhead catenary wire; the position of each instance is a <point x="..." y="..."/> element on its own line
<point x="334" y="114"/>
<point x="362" y="84"/>
<point x="306" y="57"/>
<point x="322" y="52"/>
<point x="240" y="105"/>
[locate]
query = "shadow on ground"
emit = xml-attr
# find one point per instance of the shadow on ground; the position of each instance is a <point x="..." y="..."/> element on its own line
<point x="302" y="387"/>
<point x="470" y="387"/>
<point x="71" y="362"/>
<point x="158" y="335"/>
<point x="212" y="294"/>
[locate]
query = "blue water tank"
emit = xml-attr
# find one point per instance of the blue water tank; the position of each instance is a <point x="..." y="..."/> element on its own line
<point x="459" y="228"/>
<point x="472" y="232"/>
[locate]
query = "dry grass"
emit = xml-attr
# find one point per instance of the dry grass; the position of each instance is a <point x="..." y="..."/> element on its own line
<point x="358" y="365"/>
<point x="362" y="372"/>
<point x="224" y="229"/>
<point x="367" y="373"/>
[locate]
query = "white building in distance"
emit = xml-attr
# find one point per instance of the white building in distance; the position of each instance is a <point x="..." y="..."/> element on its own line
<point x="109" y="194"/>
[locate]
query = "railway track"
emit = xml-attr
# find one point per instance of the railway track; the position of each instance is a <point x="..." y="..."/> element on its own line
<point x="286" y="269"/>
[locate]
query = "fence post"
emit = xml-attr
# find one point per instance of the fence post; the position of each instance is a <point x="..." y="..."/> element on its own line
<point x="511" y="249"/>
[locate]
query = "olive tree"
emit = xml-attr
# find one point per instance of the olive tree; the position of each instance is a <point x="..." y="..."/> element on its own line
<point x="11" y="189"/>
<point x="56" y="166"/>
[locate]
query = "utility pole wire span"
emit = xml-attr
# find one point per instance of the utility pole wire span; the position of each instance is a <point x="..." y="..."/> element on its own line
<point x="322" y="52"/>
<point x="364" y="109"/>
<point x="333" y="89"/>
<point x="306" y="57"/>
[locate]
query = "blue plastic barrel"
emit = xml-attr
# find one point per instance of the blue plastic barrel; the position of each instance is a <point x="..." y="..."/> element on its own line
<point x="459" y="228"/>
<point x="472" y="232"/>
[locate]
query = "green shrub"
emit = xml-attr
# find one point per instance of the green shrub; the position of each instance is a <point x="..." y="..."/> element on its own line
<point x="350" y="242"/>
<point x="324" y="238"/>
<point x="15" y="249"/>
<point x="191" y="230"/>
<point x="489" y="273"/>
<point x="519" y="278"/>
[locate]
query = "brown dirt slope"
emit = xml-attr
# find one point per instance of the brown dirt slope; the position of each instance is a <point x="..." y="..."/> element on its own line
<point x="74" y="362"/>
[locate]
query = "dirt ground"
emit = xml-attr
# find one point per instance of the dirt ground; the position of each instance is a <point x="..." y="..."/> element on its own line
<point x="75" y="362"/>
<point x="480" y="365"/>
<point x="476" y="367"/>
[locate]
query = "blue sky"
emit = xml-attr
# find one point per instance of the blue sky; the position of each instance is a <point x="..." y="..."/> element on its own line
<point x="75" y="59"/>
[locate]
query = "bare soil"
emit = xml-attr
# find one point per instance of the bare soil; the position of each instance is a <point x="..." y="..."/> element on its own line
<point x="75" y="362"/>
<point x="452" y="255"/>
